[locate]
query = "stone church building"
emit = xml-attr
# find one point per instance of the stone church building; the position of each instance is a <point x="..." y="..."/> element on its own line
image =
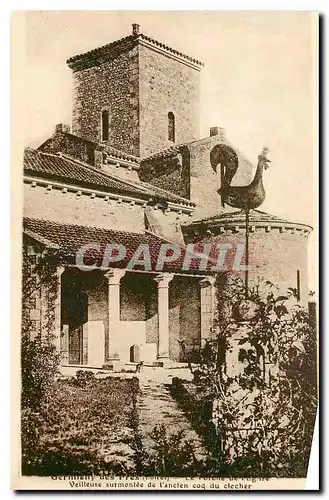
<point x="132" y="170"/>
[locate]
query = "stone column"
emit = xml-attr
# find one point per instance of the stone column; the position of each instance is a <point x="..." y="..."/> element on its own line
<point x="57" y="310"/>
<point x="207" y="298"/>
<point x="114" y="276"/>
<point x="163" y="281"/>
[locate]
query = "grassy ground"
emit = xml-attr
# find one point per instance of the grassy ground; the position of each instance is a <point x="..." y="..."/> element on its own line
<point x="84" y="427"/>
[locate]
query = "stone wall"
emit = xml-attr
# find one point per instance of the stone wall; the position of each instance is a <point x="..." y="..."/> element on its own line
<point x="113" y="86"/>
<point x="92" y="153"/>
<point x="204" y="182"/>
<point x="40" y="293"/>
<point x="184" y="317"/>
<point x="71" y="145"/>
<point x="275" y="255"/>
<point x="139" y="88"/>
<point x="166" y="224"/>
<point x="166" y="85"/>
<point x="208" y="305"/>
<point x="170" y="172"/>
<point x="69" y="208"/>
<point x="187" y="172"/>
<point x="84" y="210"/>
<point x="133" y="298"/>
<point x="152" y="314"/>
<point x="135" y="294"/>
<point x="121" y="171"/>
<point x="32" y="296"/>
<point x="98" y="306"/>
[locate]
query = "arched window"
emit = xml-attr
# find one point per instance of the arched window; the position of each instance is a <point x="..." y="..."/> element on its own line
<point x="105" y="125"/>
<point x="171" y="127"/>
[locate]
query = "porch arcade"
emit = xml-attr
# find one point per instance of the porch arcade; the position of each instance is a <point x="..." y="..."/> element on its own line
<point x="126" y="316"/>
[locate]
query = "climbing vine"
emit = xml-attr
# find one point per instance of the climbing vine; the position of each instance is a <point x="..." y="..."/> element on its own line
<point x="39" y="358"/>
<point x="260" y="375"/>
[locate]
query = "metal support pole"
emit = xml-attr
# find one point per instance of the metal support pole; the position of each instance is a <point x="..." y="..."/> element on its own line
<point x="247" y="255"/>
<point x="298" y="285"/>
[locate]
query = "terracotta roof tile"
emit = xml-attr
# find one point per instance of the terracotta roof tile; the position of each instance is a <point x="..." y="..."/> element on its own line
<point x="164" y="153"/>
<point x="70" y="238"/>
<point x="93" y="57"/>
<point x="239" y="217"/>
<point x="51" y="146"/>
<point x="173" y="51"/>
<point x="60" y="168"/>
<point x="117" y="153"/>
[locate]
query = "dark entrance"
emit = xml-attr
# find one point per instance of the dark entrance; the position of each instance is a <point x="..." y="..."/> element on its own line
<point x="75" y="315"/>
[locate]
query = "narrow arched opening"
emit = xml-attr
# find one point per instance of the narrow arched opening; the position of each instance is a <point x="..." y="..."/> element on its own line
<point x="105" y="125"/>
<point x="171" y="127"/>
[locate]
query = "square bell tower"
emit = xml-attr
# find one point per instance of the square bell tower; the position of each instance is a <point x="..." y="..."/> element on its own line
<point x="136" y="94"/>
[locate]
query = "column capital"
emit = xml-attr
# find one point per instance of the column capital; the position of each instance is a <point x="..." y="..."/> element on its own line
<point x="114" y="276"/>
<point x="60" y="270"/>
<point x="163" y="279"/>
<point x="207" y="281"/>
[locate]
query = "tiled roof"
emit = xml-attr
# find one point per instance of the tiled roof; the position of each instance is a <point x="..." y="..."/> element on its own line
<point x="71" y="238"/>
<point x="52" y="145"/>
<point x="169" y="49"/>
<point x="164" y="153"/>
<point x="117" y="153"/>
<point x="60" y="168"/>
<point x="107" y="51"/>
<point x="99" y="54"/>
<point x="175" y="149"/>
<point x="238" y="217"/>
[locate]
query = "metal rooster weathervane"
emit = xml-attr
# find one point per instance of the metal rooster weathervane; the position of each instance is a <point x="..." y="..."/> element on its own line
<point x="246" y="197"/>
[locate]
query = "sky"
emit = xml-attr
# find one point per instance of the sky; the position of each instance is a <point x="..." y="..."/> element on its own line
<point x="259" y="83"/>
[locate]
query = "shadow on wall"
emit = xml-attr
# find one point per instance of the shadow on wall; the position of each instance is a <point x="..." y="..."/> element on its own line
<point x="184" y="319"/>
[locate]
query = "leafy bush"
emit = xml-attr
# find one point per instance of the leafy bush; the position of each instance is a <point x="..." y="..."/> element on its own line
<point x="171" y="456"/>
<point x="39" y="357"/>
<point x="84" y="377"/>
<point x="39" y="367"/>
<point x="260" y="376"/>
